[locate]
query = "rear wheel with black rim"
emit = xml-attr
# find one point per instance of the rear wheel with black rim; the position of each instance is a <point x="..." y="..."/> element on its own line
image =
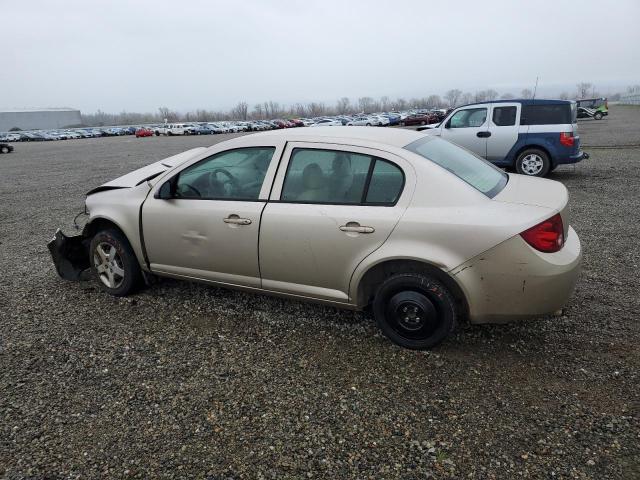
<point x="414" y="311"/>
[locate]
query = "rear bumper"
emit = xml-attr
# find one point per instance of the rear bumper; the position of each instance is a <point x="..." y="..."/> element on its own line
<point x="513" y="281"/>
<point x="581" y="155"/>
<point x="70" y="255"/>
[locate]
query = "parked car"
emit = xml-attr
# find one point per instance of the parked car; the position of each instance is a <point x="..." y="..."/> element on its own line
<point x="6" y="148"/>
<point x="596" y="108"/>
<point x="360" y="121"/>
<point x="422" y="230"/>
<point x="531" y="136"/>
<point x="144" y="132"/>
<point x="327" y="122"/>
<point x="419" y="119"/>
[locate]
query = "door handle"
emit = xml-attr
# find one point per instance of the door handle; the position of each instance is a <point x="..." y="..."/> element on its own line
<point x="354" y="227"/>
<point x="236" y="220"/>
<point x="483" y="134"/>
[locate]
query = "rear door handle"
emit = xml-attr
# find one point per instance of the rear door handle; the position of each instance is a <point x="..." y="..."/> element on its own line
<point x="354" y="227"/>
<point x="236" y="220"/>
<point x="483" y="134"/>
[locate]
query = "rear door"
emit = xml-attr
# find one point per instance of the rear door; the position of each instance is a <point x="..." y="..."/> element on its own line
<point x="469" y="128"/>
<point x="331" y="206"/>
<point x="504" y="120"/>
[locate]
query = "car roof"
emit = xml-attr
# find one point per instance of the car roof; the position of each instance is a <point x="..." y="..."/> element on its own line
<point x="397" y="137"/>
<point x="523" y="101"/>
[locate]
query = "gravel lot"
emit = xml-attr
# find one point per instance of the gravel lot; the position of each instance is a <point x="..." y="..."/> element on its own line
<point x="189" y="381"/>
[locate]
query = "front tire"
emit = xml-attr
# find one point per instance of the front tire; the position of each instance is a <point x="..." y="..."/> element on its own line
<point x="533" y="163"/>
<point x="113" y="263"/>
<point x="5" y="150"/>
<point x="414" y="311"/>
<point x="598" y="116"/>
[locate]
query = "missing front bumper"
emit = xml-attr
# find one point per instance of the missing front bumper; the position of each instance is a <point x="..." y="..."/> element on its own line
<point x="70" y="255"/>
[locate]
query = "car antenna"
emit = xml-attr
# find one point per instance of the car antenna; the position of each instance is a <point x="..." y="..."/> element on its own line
<point x="535" y="89"/>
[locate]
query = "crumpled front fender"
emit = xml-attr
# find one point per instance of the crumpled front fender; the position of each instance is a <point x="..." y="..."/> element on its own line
<point x="70" y="255"/>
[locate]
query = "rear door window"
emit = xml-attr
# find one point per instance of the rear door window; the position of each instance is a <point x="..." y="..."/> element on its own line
<point x="504" y="116"/>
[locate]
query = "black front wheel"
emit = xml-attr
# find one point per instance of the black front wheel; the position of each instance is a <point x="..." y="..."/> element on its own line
<point x="414" y="311"/>
<point x="597" y="115"/>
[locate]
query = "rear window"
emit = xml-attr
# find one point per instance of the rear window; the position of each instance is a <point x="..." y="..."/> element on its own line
<point x="546" y="114"/>
<point x="475" y="171"/>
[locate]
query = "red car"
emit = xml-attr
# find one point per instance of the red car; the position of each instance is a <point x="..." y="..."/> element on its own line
<point x="143" y="132"/>
<point x="420" y="119"/>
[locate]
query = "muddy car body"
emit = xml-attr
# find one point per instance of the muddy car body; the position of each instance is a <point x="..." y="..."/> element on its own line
<point x="420" y="229"/>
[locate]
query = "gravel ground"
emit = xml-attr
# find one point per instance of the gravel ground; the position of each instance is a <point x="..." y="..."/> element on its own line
<point x="189" y="381"/>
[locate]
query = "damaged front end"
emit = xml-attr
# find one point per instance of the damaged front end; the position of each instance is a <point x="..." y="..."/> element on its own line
<point x="70" y="255"/>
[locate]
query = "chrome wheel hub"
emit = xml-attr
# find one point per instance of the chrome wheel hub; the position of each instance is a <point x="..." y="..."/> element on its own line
<point x="109" y="265"/>
<point x="532" y="164"/>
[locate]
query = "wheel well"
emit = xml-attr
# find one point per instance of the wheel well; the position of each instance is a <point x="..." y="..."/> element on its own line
<point x="537" y="147"/>
<point x="101" y="224"/>
<point x="374" y="277"/>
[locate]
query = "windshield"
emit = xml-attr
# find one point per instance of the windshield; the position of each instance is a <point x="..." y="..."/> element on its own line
<point x="478" y="173"/>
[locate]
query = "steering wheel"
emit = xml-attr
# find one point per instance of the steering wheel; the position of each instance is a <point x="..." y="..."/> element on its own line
<point x="213" y="177"/>
<point x="190" y="188"/>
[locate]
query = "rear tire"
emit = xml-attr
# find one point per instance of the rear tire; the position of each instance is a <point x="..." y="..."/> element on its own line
<point x="533" y="163"/>
<point x="598" y="116"/>
<point x="5" y="150"/>
<point x="414" y="311"/>
<point x="113" y="263"/>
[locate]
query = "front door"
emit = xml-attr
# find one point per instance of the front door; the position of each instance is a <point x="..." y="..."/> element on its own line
<point x="468" y="127"/>
<point x="208" y="228"/>
<point x="332" y="205"/>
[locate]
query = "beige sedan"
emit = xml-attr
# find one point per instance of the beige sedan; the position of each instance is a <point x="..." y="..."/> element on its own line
<point x="421" y="230"/>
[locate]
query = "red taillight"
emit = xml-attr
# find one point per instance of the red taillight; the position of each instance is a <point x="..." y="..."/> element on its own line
<point x="547" y="236"/>
<point x="566" y="139"/>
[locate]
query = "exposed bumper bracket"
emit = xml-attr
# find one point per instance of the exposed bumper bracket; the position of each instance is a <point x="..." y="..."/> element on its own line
<point x="70" y="255"/>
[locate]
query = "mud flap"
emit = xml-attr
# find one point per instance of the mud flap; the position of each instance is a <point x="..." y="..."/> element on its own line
<point x="70" y="255"/>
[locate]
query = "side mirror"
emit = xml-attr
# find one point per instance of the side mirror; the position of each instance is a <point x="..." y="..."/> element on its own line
<point x="164" y="192"/>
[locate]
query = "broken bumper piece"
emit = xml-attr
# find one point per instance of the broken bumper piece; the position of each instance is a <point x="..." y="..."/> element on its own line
<point x="70" y="255"/>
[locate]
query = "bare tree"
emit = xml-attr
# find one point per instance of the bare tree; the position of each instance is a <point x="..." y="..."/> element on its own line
<point x="492" y="94"/>
<point x="434" y="101"/>
<point x="564" y="96"/>
<point x="480" y="96"/>
<point x="365" y="104"/>
<point x="453" y="96"/>
<point x="507" y="96"/>
<point x="240" y="111"/>
<point x="384" y="103"/>
<point x="343" y="106"/>
<point x="400" y="104"/>
<point x="316" y="109"/>
<point x="258" y="111"/>
<point x="526" y="93"/>
<point x="168" y="115"/>
<point x="466" y="98"/>
<point x="583" y="89"/>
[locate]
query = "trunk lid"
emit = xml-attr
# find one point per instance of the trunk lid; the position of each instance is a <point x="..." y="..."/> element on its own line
<point x="521" y="189"/>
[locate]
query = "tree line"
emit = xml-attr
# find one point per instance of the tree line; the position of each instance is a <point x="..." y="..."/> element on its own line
<point x="270" y="109"/>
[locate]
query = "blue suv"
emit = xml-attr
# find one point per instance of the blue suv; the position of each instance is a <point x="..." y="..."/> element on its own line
<point x="532" y="137"/>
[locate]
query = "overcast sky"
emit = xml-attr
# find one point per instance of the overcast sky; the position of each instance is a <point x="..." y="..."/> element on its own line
<point x="138" y="55"/>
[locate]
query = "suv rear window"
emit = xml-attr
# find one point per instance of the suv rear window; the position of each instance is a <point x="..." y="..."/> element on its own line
<point x="475" y="171"/>
<point x="546" y="114"/>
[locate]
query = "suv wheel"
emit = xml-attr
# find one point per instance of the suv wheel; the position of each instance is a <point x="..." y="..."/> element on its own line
<point x="597" y="115"/>
<point x="414" y="311"/>
<point x="5" y="150"/>
<point x="113" y="263"/>
<point x="533" y="162"/>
